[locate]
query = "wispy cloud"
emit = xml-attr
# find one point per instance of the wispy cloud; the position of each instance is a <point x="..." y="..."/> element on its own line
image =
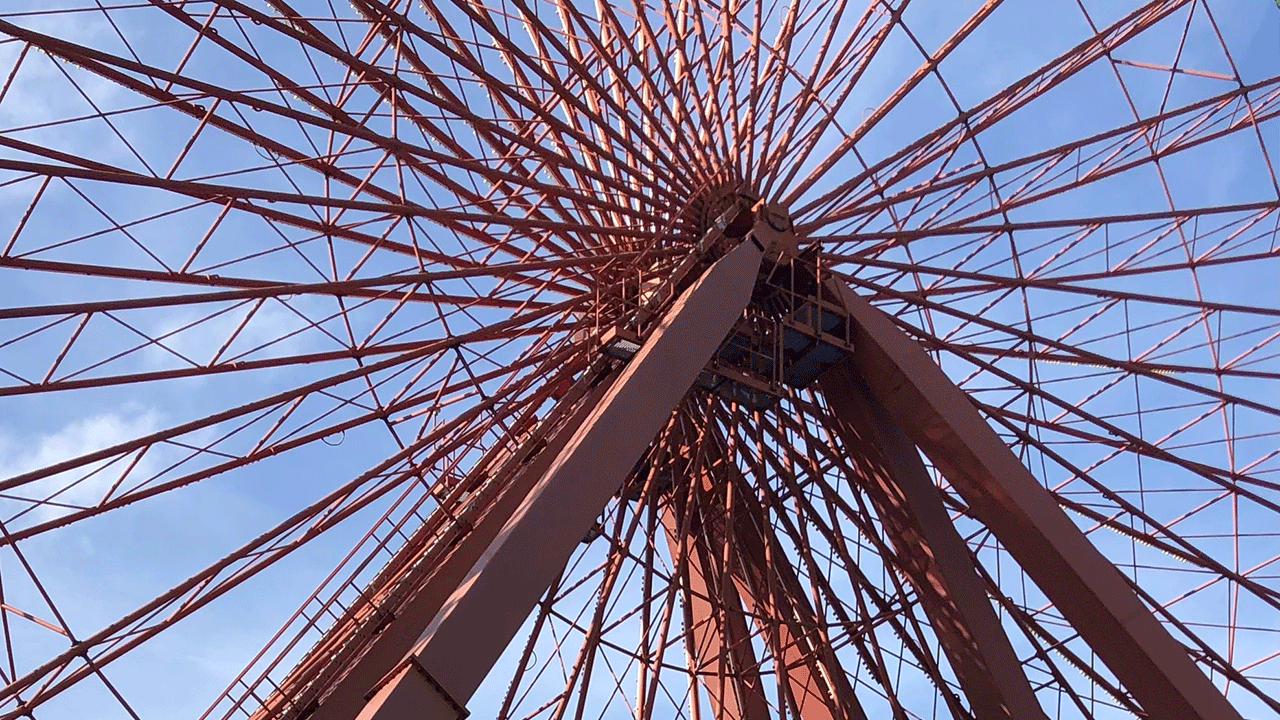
<point x="22" y="452"/>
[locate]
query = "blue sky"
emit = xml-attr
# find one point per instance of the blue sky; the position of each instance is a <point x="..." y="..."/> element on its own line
<point x="100" y="569"/>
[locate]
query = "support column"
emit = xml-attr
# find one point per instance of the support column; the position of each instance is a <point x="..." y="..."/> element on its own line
<point x="347" y="693"/>
<point x="806" y="661"/>
<point x="933" y="555"/>
<point x="477" y="622"/>
<point x="731" y="677"/>
<point x="771" y="592"/>
<point x="1001" y="493"/>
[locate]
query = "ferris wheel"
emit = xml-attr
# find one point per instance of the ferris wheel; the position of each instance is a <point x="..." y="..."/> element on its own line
<point x="545" y="359"/>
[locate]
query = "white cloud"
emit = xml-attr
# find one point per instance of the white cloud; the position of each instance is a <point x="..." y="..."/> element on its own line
<point x="273" y="330"/>
<point x="46" y="92"/>
<point x="30" y="101"/>
<point x="21" y="453"/>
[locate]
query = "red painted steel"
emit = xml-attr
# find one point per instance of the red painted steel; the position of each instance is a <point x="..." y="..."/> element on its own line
<point x="1089" y="591"/>
<point x="339" y="693"/>
<point x="726" y="517"/>
<point x="934" y="556"/>
<point x="480" y="618"/>
<point x="724" y="657"/>
<point x="448" y="202"/>
<point x="817" y="684"/>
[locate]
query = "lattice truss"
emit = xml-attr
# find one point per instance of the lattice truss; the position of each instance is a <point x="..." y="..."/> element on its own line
<point x="283" y="285"/>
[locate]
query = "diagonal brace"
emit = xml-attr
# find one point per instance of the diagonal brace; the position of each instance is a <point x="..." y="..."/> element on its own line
<point x="1001" y="493"/>
<point x="933" y="555"/>
<point x="477" y="622"/>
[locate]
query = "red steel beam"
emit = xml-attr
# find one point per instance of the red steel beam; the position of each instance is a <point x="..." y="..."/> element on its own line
<point x="816" y="679"/>
<point x="1001" y="493"/>
<point x="934" y="556"/>
<point x="771" y="591"/>
<point x="392" y="287"/>
<point x="987" y="113"/>
<point x="477" y="622"/>
<point x="368" y="664"/>
<point x="731" y="677"/>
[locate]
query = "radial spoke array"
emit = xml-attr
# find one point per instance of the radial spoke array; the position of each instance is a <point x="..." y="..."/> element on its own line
<point x="290" y="292"/>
